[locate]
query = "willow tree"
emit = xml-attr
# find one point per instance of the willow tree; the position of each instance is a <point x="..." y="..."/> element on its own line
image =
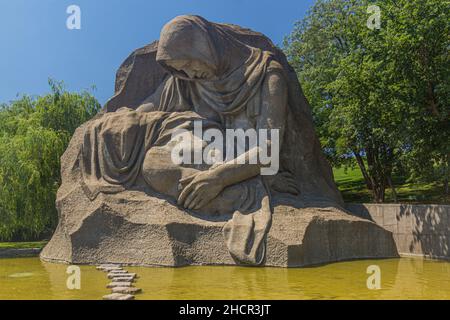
<point x="34" y="132"/>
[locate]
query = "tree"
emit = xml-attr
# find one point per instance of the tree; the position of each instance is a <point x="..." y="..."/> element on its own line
<point x="370" y="94"/>
<point x="34" y="132"/>
<point x="418" y="42"/>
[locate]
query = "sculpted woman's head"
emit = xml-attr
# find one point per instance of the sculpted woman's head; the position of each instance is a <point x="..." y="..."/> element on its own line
<point x="194" y="69"/>
<point x="192" y="48"/>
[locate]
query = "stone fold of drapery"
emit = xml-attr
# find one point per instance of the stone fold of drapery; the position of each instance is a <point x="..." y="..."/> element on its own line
<point x="115" y="146"/>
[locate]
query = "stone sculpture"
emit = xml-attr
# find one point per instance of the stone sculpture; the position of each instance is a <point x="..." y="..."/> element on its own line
<point x="123" y="199"/>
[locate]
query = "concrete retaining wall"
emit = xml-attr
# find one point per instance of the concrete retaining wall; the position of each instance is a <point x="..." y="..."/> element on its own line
<point x="422" y="230"/>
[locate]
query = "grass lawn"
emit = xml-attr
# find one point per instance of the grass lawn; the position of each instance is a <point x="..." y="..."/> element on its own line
<point x="351" y="184"/>
<point x="22" y="245"/>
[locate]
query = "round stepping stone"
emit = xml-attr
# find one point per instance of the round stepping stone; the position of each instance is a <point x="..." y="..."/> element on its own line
<point x="126" y="290"/>
<point x="119" y="284"/>
<point x="118" y="296"/>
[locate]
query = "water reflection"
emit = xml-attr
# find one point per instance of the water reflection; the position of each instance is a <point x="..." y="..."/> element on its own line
<point x="21" y="275"/>
<point x="345" y="280"/>
<point x="419" y="279"/>
<point x="14" y="286"/>
<point x="29" y="278"/>
<point x="93" y="282"/>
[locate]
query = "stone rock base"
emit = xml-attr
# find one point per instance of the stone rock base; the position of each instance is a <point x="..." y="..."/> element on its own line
<point x="132" y="228"/>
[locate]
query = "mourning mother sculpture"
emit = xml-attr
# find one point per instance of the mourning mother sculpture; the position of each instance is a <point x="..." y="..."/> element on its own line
<point x="125" y="199"/>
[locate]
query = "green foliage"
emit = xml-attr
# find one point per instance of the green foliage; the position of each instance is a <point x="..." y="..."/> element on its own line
<point x="381" y="96"/>
<point x="23" y="245"/>
<point x="34" y="132"/>
<point x="354" y="190"/>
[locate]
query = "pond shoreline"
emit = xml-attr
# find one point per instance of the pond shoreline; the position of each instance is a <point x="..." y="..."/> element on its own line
<point x="19" y="253"/>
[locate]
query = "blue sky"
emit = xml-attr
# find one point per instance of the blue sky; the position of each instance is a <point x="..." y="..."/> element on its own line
<point x="35" y="43"/>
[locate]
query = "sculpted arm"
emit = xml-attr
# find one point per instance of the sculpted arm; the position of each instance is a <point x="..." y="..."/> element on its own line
<point x="206" y="185"/>
<point x="272" y="116"/>
<point x="274" y="105"/>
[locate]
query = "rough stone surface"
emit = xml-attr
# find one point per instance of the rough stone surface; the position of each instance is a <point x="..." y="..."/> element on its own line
<point x="126" y="290"/>
<point x="107" y="267"/>
<point x="123" y="279"/>
<point x="118" y="296"/>
<point x="126" y="275"/>
<point x="119" y="284"/>
<point x="153" y="232"/>
<point x="117" y="199"/>
<point x="113" y="269"/>
<point x="117" y="271"/>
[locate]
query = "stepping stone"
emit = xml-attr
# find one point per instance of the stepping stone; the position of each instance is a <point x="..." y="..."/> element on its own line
<point x="119" y="284"/>
<point x="126" y="290"/>
<point x="127" y="275"/>
<point x="122" y="279"/>
<point x="113" y="269"/>
<point x="104" y="266"/>
<point x="116" y="270"/>
<point x="118" y="296"/>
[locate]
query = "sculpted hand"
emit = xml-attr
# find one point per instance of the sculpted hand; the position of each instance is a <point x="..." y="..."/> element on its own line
<point x="285" y="183"/>
<point x="199" y="189"/>
<point x="146" y="107"/>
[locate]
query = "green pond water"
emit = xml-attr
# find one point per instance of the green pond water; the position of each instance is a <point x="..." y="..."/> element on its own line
<point x="405" y="278"/>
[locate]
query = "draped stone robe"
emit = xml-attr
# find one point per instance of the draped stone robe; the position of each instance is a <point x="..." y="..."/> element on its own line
<point x="115" y="144"/>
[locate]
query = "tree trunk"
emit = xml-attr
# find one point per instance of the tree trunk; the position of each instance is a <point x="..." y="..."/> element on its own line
<point x="446" y="166"/>
<point x="363" y="169"/>
<point x="432" y="104"/>
<point x="394" y="192"/>
<point x="376" y="173"/>
<point x="379" y="192"/>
